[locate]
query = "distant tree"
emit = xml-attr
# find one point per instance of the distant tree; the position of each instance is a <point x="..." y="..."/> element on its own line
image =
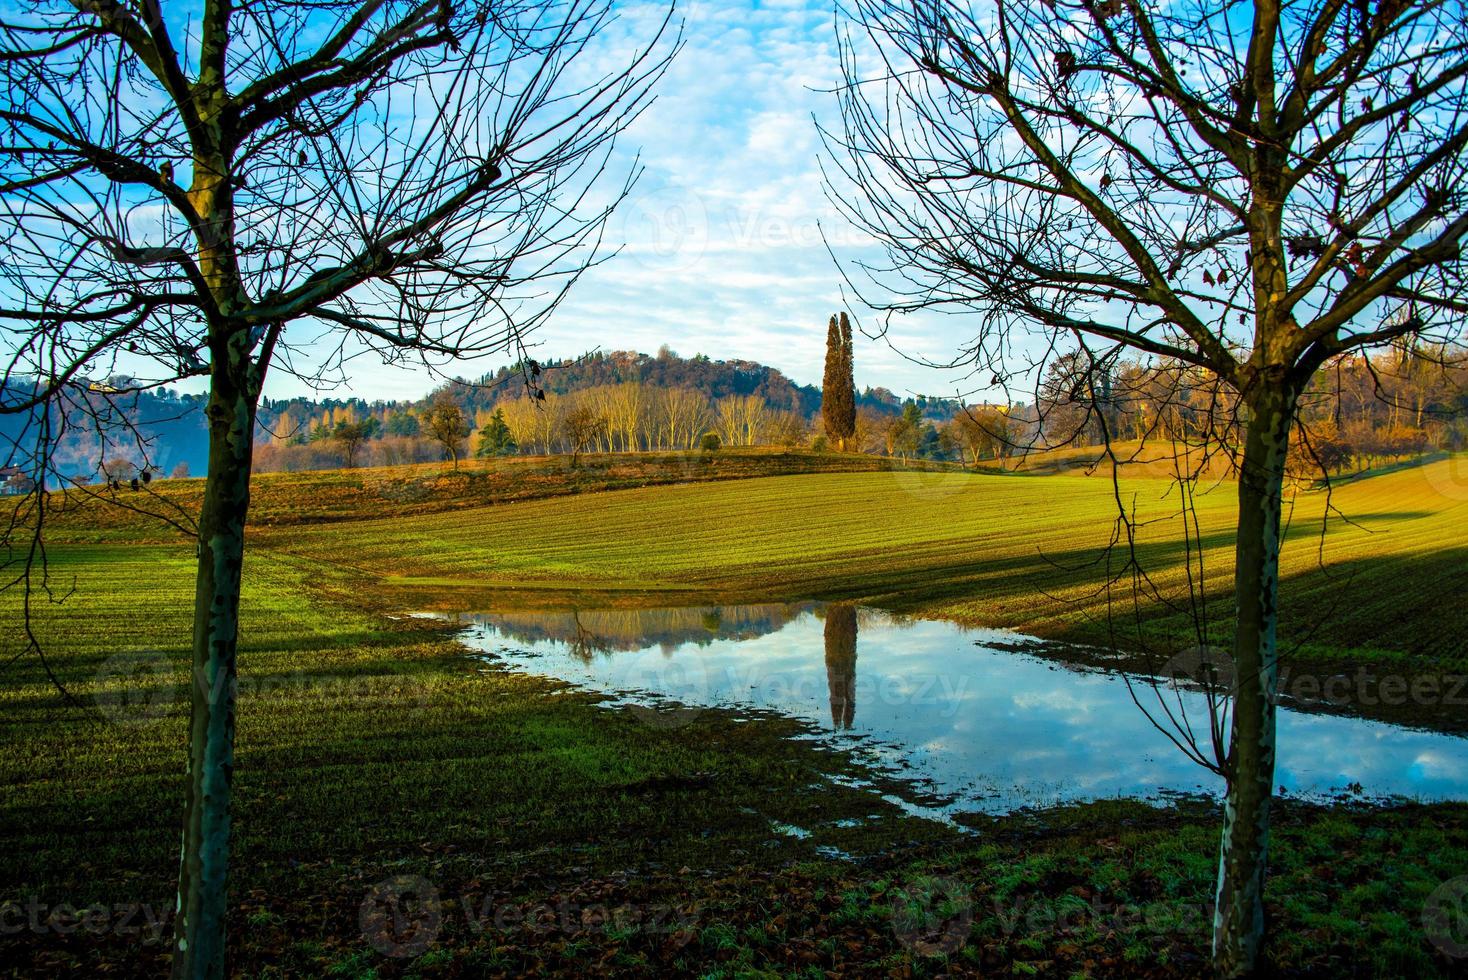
<point x="934" y="443"/>
<point x="448" y="425"/>
<point x="1067" y="397"/>
<point x="625" y="409"/>
<point x="1320" y="450"/>
<point x="983" y="433"/>
<point x="350" y="436"/>
<point x="838" y="389"/>
<point x="495" y="438"/>
<point x="871" y="431"/>
<point x="904" y="432"/>
<point x="679" y="414"/>
<point x="783" y="428"/>
<point x="740" y="419"/>
<point x="710" y="442"/>
<point x="403" y="423"/>
<point x="118" y="469"/>
<point x="536" y="425"/>
<point x="583" y="426"/>
<point x="180" y="472"/>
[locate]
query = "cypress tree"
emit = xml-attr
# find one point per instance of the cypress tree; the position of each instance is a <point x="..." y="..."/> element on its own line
<point x="848" y="395"/>
<point x="838" y="392"/>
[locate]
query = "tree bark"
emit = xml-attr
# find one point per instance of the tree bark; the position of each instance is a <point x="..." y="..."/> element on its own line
<point x="1238" y="922"/>
<point x="199" y="927"/>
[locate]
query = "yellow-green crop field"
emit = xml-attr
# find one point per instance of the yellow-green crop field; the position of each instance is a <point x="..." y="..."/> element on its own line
<point x="1375" y="568"/>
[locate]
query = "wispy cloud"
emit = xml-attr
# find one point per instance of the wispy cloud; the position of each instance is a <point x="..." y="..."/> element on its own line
<point x="723" y="241"/>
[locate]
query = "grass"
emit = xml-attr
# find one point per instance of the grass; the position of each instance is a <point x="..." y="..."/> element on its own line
<point x="329" y="496"/>
<point x="563" y="837"/>
<point x="1382" y="586"/>
<point x="361" y="748"/>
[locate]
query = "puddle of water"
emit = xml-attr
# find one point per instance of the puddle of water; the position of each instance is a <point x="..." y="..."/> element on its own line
<point x="972" y="726"/>
<point x="789" y="830"/>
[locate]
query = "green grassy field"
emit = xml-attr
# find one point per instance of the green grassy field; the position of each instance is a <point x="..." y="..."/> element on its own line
<point x="1034" y="553"/>
<point x="329" y="496"/>
<point x="370" y="748"/>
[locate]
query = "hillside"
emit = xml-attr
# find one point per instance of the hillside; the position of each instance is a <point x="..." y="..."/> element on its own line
<point x="370" y="493"/>
<point x="712" y="379"/>
<point x="164" y="430"/>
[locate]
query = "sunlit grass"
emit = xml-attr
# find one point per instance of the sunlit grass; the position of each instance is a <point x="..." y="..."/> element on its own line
<point x="1032" y="553"/>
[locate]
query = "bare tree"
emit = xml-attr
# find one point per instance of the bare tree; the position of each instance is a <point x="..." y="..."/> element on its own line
<point x="739" y="419"/>
<point x="534" y="424"/>
<point x="583" y="426"/>
<point x="204" y="190"/>
<point x="1248" y="191"/>
<point x="681" y="416"/>
<point x="448" y="424"/>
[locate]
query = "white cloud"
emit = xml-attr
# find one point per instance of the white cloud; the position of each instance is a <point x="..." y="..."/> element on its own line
<point x="724" y="252"/>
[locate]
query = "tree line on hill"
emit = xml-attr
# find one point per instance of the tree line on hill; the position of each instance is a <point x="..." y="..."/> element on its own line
<point x="1364" y="410"/>
<point x="1358" y="411"/>
<point x="605" y="402"/>
<point x="1361" y="411"/>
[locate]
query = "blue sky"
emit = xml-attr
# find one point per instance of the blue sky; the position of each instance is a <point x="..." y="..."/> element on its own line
<point x="723" y="252"/>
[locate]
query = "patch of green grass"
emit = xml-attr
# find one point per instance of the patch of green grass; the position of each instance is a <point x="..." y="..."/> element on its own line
<point x="330" y="496"/>
<point x="370" y="750"/>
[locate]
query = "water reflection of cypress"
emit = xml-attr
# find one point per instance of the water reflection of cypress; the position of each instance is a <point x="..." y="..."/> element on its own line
<point x="841" y="663"/>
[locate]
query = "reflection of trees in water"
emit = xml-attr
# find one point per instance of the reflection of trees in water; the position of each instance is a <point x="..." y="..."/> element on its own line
<point x="841" y="663"/>
<point x="593" y="631"/>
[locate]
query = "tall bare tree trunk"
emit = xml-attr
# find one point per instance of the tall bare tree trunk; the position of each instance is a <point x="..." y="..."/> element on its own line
<point x="1238" y="920"/>
<point x="199" y="929"/>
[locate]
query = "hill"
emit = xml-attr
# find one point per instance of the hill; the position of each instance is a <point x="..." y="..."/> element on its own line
<point x="164" y="430"/>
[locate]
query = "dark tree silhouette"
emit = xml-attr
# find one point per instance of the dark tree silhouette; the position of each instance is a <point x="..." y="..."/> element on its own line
<point x="206" y="189"/>
<point x="841" y="663"/>
<point x="583" y="427"/>
<point x="1246" y="190"/>
<point x="495" y="439"/>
